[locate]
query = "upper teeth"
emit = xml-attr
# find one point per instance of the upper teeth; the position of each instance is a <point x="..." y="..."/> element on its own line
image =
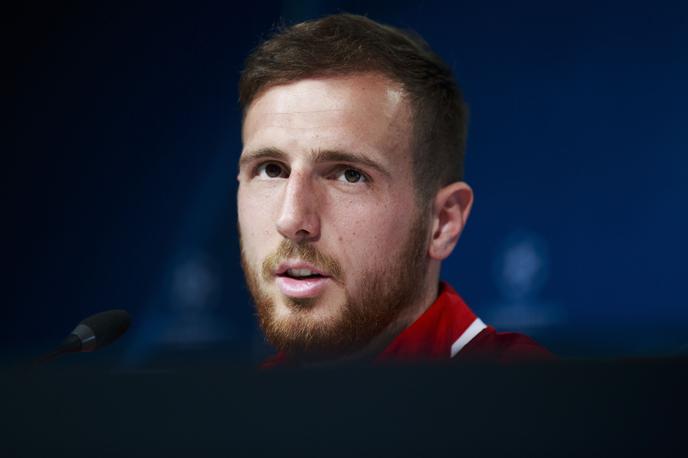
<point x="299" y="272"/>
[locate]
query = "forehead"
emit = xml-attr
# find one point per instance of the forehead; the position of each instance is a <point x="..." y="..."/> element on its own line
<point x="362" y="112"/>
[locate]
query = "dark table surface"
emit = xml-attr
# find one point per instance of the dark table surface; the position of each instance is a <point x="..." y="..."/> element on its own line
<point x="569" y="408"/>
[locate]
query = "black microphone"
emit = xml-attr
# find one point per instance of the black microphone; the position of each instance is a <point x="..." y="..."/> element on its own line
<point x="93" y="333"/>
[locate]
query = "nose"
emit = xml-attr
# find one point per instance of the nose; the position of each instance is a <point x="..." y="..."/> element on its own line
<point x="298" y="219"/>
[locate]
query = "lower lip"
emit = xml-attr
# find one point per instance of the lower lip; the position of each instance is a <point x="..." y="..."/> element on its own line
<point x="309" y="287"/>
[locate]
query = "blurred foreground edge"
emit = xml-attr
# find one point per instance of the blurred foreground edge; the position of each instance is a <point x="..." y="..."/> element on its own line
<point x="568" y="408"/>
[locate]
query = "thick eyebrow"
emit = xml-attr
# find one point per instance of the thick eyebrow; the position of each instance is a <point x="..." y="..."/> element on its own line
<point x="262" y="153"/>
<point x="316" y="156"/>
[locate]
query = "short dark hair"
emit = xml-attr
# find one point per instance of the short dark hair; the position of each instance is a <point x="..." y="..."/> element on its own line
<point x="345" y="44"/>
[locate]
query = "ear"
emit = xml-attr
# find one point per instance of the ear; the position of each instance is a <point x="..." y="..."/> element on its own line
<point x="451" y="208"/>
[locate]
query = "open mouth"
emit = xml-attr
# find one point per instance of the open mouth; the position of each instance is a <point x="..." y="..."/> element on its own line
<point x="301" y="274"/>
<point x="301" y="282"/>
<point x="301" y="277"/>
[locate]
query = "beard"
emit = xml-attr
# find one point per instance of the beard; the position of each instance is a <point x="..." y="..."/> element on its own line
<point x="366" y="312"/>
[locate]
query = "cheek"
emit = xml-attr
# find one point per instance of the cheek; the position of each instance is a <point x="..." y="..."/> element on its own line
<point x="255" y="220"/>
<point x="256" y="204"/>
<point x="368" y="234"/>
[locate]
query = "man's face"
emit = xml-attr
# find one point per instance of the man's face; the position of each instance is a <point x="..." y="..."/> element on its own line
<point x="333" y="244"/>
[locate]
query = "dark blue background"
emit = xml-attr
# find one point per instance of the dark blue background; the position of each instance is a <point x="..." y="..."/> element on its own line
<point x="126" y="127"/>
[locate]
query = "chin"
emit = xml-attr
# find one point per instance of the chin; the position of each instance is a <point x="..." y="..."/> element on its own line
<point x="320" y="309"/>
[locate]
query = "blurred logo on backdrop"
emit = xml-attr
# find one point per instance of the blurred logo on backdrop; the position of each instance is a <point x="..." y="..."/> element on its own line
<point x="184" y="314"/>
<point x="521" y="268"/>
<point x="193" y="301"/>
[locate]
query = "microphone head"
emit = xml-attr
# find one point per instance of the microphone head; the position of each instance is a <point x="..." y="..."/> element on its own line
<point x="107" y="326"/>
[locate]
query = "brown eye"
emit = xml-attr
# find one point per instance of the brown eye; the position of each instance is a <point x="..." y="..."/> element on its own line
<point x="273" y="170"/>
<point x="270" y="169"/>
<point x="352" y="176"/>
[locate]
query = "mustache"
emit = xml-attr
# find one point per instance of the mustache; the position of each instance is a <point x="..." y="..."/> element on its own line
<point x="288" y="249"/>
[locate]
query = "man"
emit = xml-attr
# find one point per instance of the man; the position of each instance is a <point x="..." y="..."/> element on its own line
<point x="351" y="195"/>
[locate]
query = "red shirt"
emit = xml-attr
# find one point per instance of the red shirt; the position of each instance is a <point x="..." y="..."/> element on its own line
<point x="448" y="329"/>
